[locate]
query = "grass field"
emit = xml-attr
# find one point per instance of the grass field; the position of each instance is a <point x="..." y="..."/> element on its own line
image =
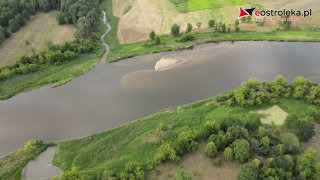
<point x="39" y="31"/>
<point x="274" y="115"/>
<point x="52" y="74"/>
<point x="107" y="152"/>
<point x="195" y="5"/>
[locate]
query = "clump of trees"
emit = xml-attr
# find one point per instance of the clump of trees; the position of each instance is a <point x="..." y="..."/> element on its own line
<point x="254" y="92"/>
<point x="55" y="54"/>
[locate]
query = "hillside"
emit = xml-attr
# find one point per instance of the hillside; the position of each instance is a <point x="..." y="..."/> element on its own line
<point x="40" y="30"/>
<point x="139" y="17"/>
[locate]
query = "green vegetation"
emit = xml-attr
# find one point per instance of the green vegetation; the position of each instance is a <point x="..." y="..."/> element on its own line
<point x="195" y="5"/>
<point x="15" y="13"/>
<point x="51" y="74"/>
<point x="12" y="164"/>
<point x="168" y="43"/>
<point x="132" y="150"/>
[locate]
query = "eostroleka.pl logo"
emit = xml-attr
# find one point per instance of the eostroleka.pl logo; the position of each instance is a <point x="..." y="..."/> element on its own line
<point x="269" y="15"/>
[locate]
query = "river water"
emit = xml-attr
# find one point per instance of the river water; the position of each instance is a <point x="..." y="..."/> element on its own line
<point x="117" y="93"/>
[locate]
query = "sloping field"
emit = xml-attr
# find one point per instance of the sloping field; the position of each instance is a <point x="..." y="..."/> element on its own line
<point x="139" y="17"/>
<point x="39" y="30"/>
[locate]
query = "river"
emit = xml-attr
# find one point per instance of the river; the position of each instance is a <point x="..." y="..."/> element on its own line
<point x="117" y="93"/>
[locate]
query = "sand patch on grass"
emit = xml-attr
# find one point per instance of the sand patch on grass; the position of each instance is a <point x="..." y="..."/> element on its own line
<point x="273" y="114"/>
<point x="199" y="166"/>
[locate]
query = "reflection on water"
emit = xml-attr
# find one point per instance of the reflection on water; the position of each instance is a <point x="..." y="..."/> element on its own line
<point x="113" y="94"/>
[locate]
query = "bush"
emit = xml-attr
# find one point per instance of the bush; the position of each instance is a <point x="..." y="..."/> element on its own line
<point x="220" y="140"/>
<point x="187" y="142"/>
<point x="175" y="30"/>
<point x="236" y="132"/>
<point x="241" y="149"/>
<point x="217" y="162"/>
<point x="211" y="127"/>
<point x="166" y="152"/>
<point x="228" y="153"/>
<point x="290" y="142"/>
<point x="132" y="171"/>
<point x="187" y="37"/>
<point x="211" y="149"/>
<point x="189" y="28"/>
<point x="183" y="175"/>
<point x="211" y="23"/>
<point x="162" y="126"/>
<point x="248" y="172"/>
<point x="152" y="35"/>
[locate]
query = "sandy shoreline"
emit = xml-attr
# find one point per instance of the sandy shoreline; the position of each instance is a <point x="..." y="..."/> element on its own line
<point x="169" y="61"/>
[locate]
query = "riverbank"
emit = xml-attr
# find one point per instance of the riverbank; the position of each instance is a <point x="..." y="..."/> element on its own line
<point x="170" y="43"/>
<point x="107" y="153"/>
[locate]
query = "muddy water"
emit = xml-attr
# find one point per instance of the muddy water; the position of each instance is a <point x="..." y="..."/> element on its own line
<point x="41" y="168"/>
<point x="114" y="94"/>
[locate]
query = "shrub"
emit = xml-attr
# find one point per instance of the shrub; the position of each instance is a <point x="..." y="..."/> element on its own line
<point x="248" y="172"/>
<point x="228" y="153"/>
<point x="211" y="23"/>
<point x="166" y="152"/>
<point x="236" y="132"/>
<point x="157" y="41"/>
<point x="219" y="139"/>
<point x="211" y="149"/>
<point x="183" y="175"/>
<point x="211" y="127"/>
<point x="241" y="149"/>
<point x="189" y="28"/>
<point x="132" y="171"/>
<point x="162" y="126"/>
<point x="187" y="142"/>
<point x="217" y="162"/>
<point x="175" y="30"/>
<point x="152" y="35"/>
<point x="187" y="37"/>
<point x="290" y="142"/>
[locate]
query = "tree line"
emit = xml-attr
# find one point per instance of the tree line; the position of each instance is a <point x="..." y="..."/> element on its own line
<point x="254" y="92"/>
<point x="82" y="13"/>
<point x="54" y="54"/>
<point x="15" y="13"/>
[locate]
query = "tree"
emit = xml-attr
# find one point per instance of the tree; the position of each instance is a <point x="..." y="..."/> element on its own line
<point x="241" y="149"/>
<point x="248" y="172"/>
<point x="25" y="15"/>
<point x="290" y="142"/>
<point x="189" y="28"/>
<point x="264" y="145"/>
<point x="304" y="130"/>
<point x="236" y="132"/>
<point x="211" y="127"/>
<point x="307" y="166"/>
<point x="199" y="25"/>
<point x="211" y="150"/>
<point x="211" y="23"/>
<point x="187" y="142"/>
<point x="14" y="27"/>
<point x="236" y="26"/>
<point x="175" y="30"/>
<point x="248" y="18"/>
<point x="286" y="23"/>
<point x="152" y="35"/>
<point x="228" y="153"/>
<point x="223" y="28"/>
<point x="183" y="175"/>
<point x="220" y="140"/>
<point x="2" y="34"/>
<point x="166" y="152"/>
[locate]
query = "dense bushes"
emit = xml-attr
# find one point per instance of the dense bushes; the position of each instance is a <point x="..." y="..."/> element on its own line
<point x="187" y="37"/>
<point x="55" y="54"/>
<point x="254" y="92"/>
<point x="302" y="128"/>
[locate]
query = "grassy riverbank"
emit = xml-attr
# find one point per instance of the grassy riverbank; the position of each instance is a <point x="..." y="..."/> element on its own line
<point x="105" y="154"/>
<point x="50" y="74"/>
<point x="168" y="43"/>
<point x="11" y="165"/>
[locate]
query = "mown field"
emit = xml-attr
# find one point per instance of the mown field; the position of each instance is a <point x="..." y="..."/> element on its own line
<point x="195" y="5"/>
<point x="41" y="30"/>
